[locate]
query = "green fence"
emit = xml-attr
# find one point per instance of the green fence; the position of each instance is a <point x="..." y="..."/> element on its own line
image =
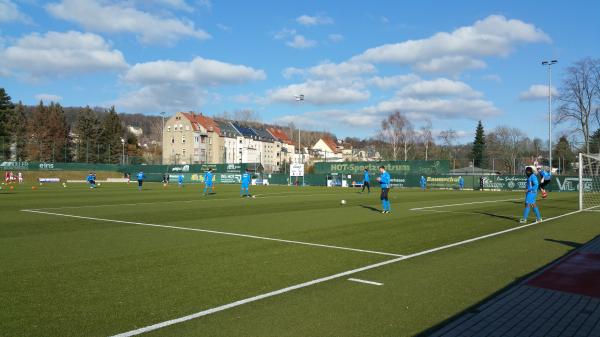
<point x="393" y="167"/>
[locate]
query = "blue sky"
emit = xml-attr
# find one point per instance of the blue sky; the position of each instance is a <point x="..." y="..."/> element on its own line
<point x="448" y="62"/>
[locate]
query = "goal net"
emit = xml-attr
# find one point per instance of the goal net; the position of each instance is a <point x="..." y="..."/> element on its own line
<point x="589" y="182"/>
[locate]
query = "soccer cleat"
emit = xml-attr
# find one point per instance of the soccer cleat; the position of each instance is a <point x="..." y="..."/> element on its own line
<point x="383" y="212"/>
<point x="523" y="221"/>
<point x="538" y="220"/>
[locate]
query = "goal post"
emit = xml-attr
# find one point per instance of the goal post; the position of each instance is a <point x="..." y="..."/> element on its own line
<point x="589" y="182"/>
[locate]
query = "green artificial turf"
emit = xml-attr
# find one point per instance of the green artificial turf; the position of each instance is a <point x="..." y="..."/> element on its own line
<point x="65" y="276"/>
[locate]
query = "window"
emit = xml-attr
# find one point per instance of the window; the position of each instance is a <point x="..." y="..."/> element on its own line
<point x="168" y="129"/>
<point x="182" y="140"/>
<point x="187" y="128"/>
<point x="210" y="141"/>
<point x="172" y="140"/>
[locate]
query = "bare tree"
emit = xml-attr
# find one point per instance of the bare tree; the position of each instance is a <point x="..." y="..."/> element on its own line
<point x="398" y="132"/>
<point x="448" y="137"/>
<point x="578" y="94"/>
<point x="427" y="137"/>
<point x="508" y="144"/>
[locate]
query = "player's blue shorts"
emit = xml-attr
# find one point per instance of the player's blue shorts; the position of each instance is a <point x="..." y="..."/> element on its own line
<point x="209" y="184"/>
<point x="245" y="186"/>
<point x="530" y="198"/>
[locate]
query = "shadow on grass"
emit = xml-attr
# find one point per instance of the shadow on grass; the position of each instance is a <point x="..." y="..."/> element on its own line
<point x="566" y="243"/>
<point x="474" y="309"/>
<point x="498" y="216"/>
<point x="371" y="208"/>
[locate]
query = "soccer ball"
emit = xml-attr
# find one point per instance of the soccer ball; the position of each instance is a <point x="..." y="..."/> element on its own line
<point x="99" y="184"/>
<point x="64" y="184"/>
<point x="343" y="202"/>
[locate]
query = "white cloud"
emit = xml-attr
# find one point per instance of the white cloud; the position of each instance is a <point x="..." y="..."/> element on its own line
<point x="391" y="82"/>
<point x="60" y="54"/>
<point x="320" y="92"/>
<point x="316" y="20"/>
<point x="300" y="42"/>
<point x="293" y="39"/>
<point x="112" y="17"/>
<point x="536" y="92"/>
<point x="327" y="69"/>
<point x="9" y="12"/>
<point x="336" y="38"/>
<point x="322" y="118"/>
<point x="199" y="71"/>
<point x="492" y="36"/>
<point x="449" y="64"/>
<point x="162" y="97"/>
<point x="438" y="108"/>
<point x="224" y="27"/>
<point x="438" y="87"/>
<point x="493" y="77"/>
<point x="344" y="69"/>
<point x="175" y="4"/>
<point x="47" y="98"/>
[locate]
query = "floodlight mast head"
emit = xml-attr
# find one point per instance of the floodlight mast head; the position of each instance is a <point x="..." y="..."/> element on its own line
<point x="299" y="97"/>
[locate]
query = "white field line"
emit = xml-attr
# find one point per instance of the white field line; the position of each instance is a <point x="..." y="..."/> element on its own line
<point x="319" y="280"/>
<point x="213" y="232"/>
<point x="365" y="281"/>
<point x="462" y="204"/>
<point x="262" y="196"/>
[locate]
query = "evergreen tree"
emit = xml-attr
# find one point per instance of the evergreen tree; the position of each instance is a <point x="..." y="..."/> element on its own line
<point x="110" y="137"/>
<point x="18" y="126"/>
<point x="564" y="153"/>
<point x="595" y="142"/>
<point x="87" y="129"/>
<point x="478" y="152"/>
<point x="6" y="110"/>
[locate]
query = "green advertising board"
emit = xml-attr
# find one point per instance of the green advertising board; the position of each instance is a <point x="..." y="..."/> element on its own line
<point x="393" y="167"/>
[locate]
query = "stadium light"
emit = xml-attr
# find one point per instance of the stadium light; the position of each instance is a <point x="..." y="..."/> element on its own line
<point x="549" y="64"/>
<point x="123" y="143"/>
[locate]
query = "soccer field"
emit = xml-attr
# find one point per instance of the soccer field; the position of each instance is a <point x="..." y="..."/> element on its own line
<point x="291" y="262"/>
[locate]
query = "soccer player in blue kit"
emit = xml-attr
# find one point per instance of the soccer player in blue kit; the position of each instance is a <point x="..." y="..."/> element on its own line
<point x="546" y="176"/>
<point x="384" y="180"/>
<point x="246" y="179"/>
<point x="530" y="196"/>
<point x="208" y="181"/>
<point x="140" y="178"/>
<point x="366" y="181"/>
<point x="423" y="183"/>
<point x="91" y="180"/>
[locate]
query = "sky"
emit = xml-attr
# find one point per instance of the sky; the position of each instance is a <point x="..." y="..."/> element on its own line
<point x="448" y="62"/>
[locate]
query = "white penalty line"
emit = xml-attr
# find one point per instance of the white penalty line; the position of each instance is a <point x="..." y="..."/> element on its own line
<point x="365" y="281"/>
<point x="212" y="232"/>
<point x="320" y="280"/>
<point x="462" y="204"/>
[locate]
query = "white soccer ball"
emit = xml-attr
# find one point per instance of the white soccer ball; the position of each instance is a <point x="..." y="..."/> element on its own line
<point x="343" y="202"/>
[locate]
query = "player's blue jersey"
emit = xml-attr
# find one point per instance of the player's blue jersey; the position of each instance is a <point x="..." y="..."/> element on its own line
<point x="385" y="180"/>
<point x="90" y="178"/>
<point x="246" y="178"/>
<point x="461" y="181"/>
<point x="366" y="178"/>
<point x="141" y="176"/>
<point x="423" y="181"/>
<point x="546" y="175"/>
<point x="180" y="179"/>
<point x="532" y="184"/>
<point x="208" y="178"/>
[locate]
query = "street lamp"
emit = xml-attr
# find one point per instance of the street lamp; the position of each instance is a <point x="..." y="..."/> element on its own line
<point x="549" y="64"/>
<point x="123" y="143"/>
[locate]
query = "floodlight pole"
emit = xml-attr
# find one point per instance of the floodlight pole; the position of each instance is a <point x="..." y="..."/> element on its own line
<point x="549" y="65"/>
<point x="162" y="136"/>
